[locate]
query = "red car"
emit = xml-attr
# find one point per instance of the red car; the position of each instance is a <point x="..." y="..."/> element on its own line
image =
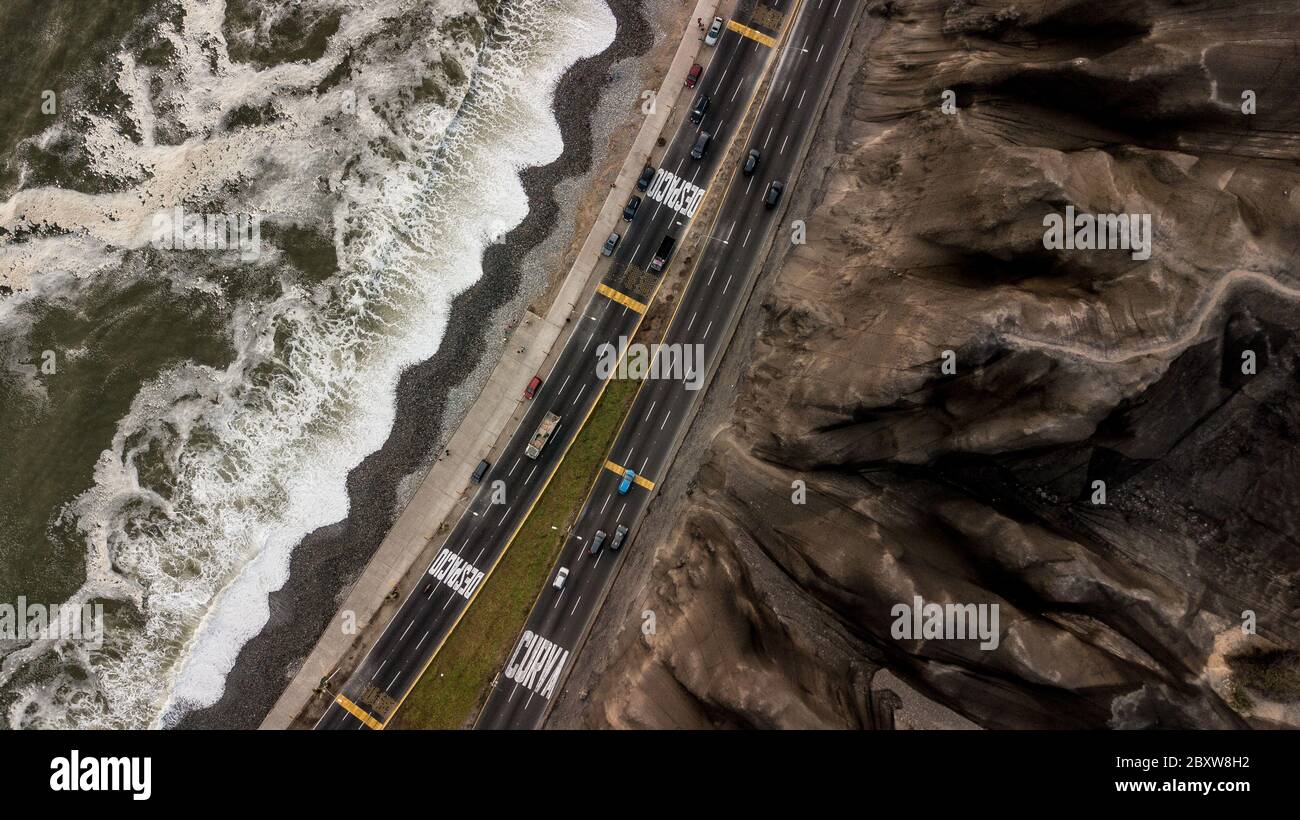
<point x="694" y="76"/>
<point x="531" y="389"/>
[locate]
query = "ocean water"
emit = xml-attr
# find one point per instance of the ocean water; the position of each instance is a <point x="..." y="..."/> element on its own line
<point x="204" y="410"/>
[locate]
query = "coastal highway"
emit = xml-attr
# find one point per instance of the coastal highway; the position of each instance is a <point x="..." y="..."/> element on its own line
<point x="375" y="689"/>
<point x="539" y="662"/>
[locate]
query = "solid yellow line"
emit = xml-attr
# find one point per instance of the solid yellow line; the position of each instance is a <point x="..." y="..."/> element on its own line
<point x="753" y="34"/>
<point x="640" y="481"/>
<point x="358" y="713"/>
<point x="621" y="298"/>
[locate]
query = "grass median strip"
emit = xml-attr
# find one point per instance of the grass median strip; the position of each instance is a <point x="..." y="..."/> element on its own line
<point x="456" y="683"/>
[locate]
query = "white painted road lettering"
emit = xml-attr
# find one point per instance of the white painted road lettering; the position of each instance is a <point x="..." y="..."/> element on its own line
<point x="682" y="196"/>
<point x="456" y="572"/>
<point x="537" y="663"/>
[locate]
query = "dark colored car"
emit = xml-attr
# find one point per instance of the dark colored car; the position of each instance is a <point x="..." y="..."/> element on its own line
<point x="701" y="146"/>
<point x="693" y="76"/>
<point x="619" y="534"/>
<point x="774" y="193"/>
<point x="531" y="389"/>
<point x="751" y="162"/>
<point x="629" y="210"/>
<point x="480" y="471"/>
<point x="598" y="541"/>
<point x="701" y="108"/>
<point x="647" y="176"/>
<point x="610" y="245"/>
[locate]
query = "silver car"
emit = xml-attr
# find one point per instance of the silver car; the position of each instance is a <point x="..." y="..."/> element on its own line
<point x="715" y="30"/>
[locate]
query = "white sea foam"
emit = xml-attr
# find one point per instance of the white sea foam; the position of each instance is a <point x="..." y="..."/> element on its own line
<point x="257" y="454"/>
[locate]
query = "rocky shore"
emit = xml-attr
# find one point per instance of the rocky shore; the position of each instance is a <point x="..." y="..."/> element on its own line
<point x="596" y="96"/>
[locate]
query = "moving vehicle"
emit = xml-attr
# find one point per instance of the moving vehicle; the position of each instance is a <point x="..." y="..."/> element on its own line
<point x="661" y="257"/>
<point x="773" y="193"/>
<point x="647" y="176"/>
<point x="751" y="162"/>
<point x="610" y="244"/>
<point x="480" y="471"/>
<point x="619" y="534"/>
<point x="715" y="31"/>
<point x="626" y="484"/>
<point x="701" y="146"/>
<point x="693" y="76"/>
<point x="629" y="210"/>
<point x="531" y="389"/>
<point x="598" y="541"/>
<point x="560" y="578"/>
<point x="701" y="108"/>
<point x="549" y="422"/>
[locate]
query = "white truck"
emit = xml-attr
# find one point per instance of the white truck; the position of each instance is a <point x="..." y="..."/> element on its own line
<point x="543" y="434"/>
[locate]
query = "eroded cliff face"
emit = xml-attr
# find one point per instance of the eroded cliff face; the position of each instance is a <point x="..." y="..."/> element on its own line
<point x="1071" y="367"/>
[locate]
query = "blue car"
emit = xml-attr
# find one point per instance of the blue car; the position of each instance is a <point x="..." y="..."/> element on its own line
<point x="626" y="484"/>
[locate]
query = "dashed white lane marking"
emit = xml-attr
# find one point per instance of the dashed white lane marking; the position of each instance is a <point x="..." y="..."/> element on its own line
<point x="557" y="599"/>
<point x="530" y="474"/>
<point x="480" y="555"/>
<point x="404" y="631"/>
<point x="801" y="96"/>
<point x="620" y="511"/>
<point x="707" y="329"/>
<point x="643" y="464"/>
<point x="503" y="516"/>
<point x="783" y="142"/>
<point x="575" y="606"/>
<point x="566" y="381"/>
<point x="730" y="230"/>
<point x="512" y="468"/>
<point x="768" y="137"/>
<point x="652" y="408"/>
<point x="589" y="338"/>
<point x="512" y="692"/>
<point x="580" y="392"/>
<point x="738" y="87"/>
<point x="837" y="8"/>
<point x="724" y="287"/>
<point x="450" y="598"/>
<point x="380" y="669"/>
<point x="787" y="89"/>
<point x="394" y="680"/>
<point x="691" y="323"/>
<point x="819" y="52"/>
<point x="750" y="185"/>
<point x="746" y="239"/>
<point x="637" y="249"/>
<point x="421" y="643"/>
<point x="606" y="504"/>
<point x="665" y="421"/>
<point x="715" y="270"/>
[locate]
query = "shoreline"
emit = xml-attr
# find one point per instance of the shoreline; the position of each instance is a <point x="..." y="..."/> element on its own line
<point x="433" y="396"/>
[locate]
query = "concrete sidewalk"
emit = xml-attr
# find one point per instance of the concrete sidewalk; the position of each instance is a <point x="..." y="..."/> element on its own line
<point x="494" y="415"/>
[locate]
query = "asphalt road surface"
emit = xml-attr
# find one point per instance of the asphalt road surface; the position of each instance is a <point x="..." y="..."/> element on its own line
<point x="540" y="660"/>
<point x="432" y="609"/>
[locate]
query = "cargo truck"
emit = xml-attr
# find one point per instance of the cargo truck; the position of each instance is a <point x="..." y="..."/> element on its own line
<point x="543" y="435"/>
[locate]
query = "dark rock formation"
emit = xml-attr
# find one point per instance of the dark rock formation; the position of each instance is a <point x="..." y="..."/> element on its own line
<point x="1072" y="367"/>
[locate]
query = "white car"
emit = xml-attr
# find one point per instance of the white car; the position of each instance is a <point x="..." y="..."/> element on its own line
<point x="715" y="30"/>
<point x="560" y="577"/>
